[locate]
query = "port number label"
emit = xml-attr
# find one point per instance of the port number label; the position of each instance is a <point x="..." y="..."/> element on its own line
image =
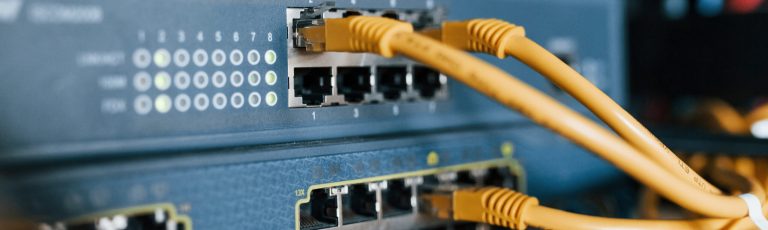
<point x="356" y="113"/>
<point x="299" y="192"/>
<point x="142" y="36"/>
<point x="218" y="36"/>
<point x="395" y="110"/>
<point x="269" y="36"/>
<point x="253" y="36"/>
<point x="182" y="36"/>
<point x="161" y="36"/>
<point x="236" y="36"/>
<point x="199" y="36"/>
<point x="314" y="116"/>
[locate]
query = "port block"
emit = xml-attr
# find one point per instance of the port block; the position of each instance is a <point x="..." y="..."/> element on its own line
<point x="387" y="203"/>
<point x="357" y="78"/>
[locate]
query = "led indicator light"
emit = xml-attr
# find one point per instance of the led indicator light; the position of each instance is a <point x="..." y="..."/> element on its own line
<point x="271" y="78"/>
<point x="181" y="58"/>
<point x="200" y="79"/>
<point x="182" y="80"/>
<point x="162" y="58"/>
<point x="142" y="81"/>
<point x="237" y="100"/>
<point x="254" y="78"/>
<point x="236" y="78"/>
<point x="270" y="57"/>
<point x="201" y="102"/>
<point x="219" y="101"/>
<point x="182" y="103"/>
<point x="433" y="159"/>
<point x="271" y="98"/>
<point x="141" y="58"/>
<point x="142" y="104"/>
<point x="200" y="57"/>
<point x="236" y="57"/>
<point x="218" y="57"/>
<point x="507" y="149"/>
<point x="219" y="79"/>
<point x="163" y="103"/>
<point x="253" y="57"/>
<point x="162" y="81"/>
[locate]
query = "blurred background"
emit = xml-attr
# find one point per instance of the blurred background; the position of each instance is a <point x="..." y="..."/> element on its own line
<point x="697" y="72"/>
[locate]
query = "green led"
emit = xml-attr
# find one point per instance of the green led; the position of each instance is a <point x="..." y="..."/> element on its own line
<point x="162" y="81"/>
<point x="271" y="98"/>
<point x="271" y="78"/>
<point x="270" y="57"/>
<point x="163" y="103"/>
<point x="162" y="58"/>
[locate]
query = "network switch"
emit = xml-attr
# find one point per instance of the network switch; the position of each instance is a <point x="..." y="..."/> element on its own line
<point x="349" y="78"/>
<point x="214" y="115"/>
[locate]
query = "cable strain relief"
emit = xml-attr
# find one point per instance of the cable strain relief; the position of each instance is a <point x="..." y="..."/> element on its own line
<point x="507" y="207"/>
<point x="364" y="34"/>
<point x="492" y="35"/>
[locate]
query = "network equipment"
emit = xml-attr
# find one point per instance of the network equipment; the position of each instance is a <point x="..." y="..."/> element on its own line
<point x="199" y="114"/>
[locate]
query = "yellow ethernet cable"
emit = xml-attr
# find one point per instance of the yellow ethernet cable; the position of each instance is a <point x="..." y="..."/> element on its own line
<point x="508" y="208"/>
<point x="722" y="116"/>
<point x="499" y="38"/>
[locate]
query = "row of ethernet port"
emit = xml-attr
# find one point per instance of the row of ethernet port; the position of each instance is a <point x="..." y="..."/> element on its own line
<point x="366" y="205"/>
<point x="329" y="86"/>
<point x="151" y="217"/>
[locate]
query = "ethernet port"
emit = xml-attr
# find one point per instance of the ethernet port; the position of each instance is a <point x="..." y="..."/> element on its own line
<point x="359" y="204"/>
<point x="362" y="202"/>
<point x="501" y="177"/>
<point x="397" y="198"/>
<point x="312" y="84"/>
<point x="391" y="14"/>
<point x="426" y="81"/>
<point x="353" y="83"/>
<point x="160" y="219"/>
<point x="391" y="81"/>
<point x="466" y="178"/>
<point x="319" y="212"/>
<point x="350" y="13"/>
<point x="148" y="221"/>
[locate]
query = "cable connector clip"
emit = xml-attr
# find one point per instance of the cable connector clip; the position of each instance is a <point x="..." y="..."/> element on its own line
<point x="755" y="210"/>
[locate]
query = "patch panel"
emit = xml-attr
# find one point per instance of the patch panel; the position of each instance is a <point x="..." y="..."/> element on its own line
<point x="394" y="201"/>
<point x="328" y="79"/>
